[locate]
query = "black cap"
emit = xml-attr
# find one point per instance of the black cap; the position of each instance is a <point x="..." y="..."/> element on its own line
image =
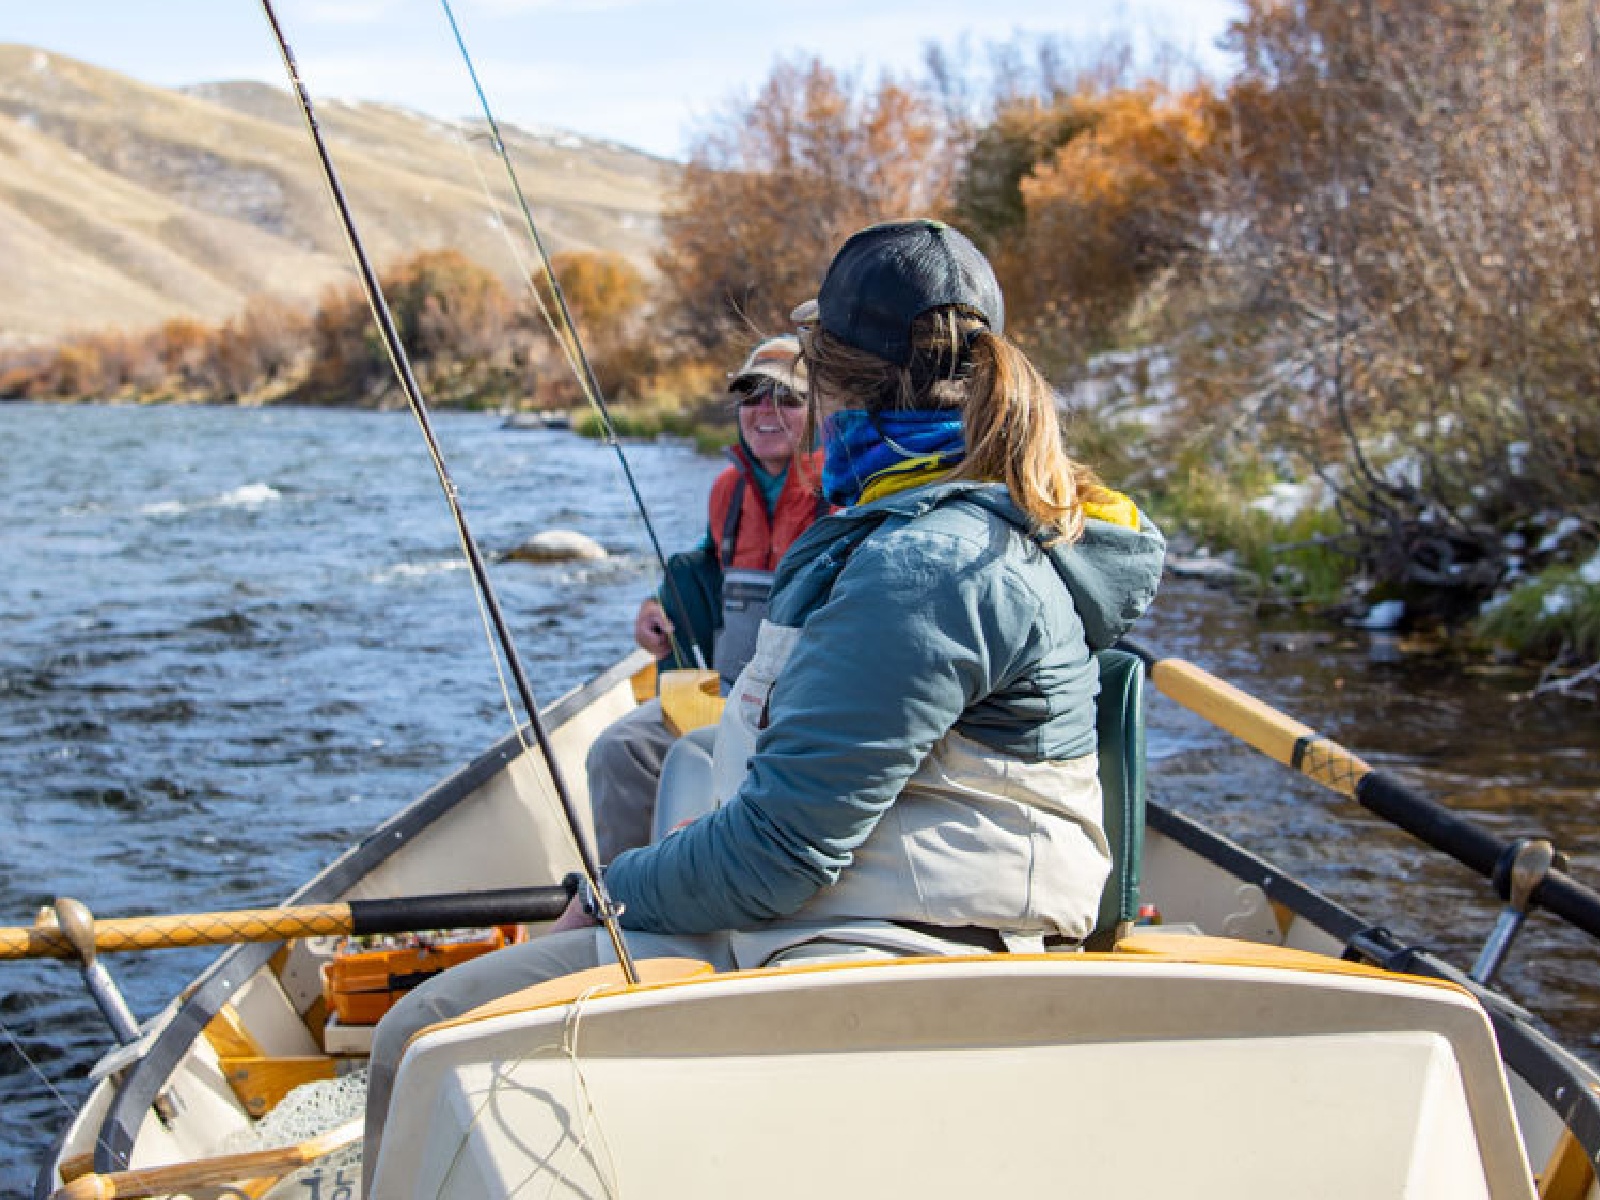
<point x="886" y="276"/>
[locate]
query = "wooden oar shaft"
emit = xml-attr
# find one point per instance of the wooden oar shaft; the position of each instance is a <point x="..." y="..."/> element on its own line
<point x="1275" y="734"/>
<point x="182" y="929"/>
<point x="357" y="917"/>
<point x="229" y="1168"/>
<point x="1281" y="737"/>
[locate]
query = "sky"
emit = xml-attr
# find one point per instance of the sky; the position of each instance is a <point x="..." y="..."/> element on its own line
<point x="640" y="72"/>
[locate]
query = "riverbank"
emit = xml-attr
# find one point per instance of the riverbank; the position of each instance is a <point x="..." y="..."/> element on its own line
<point x="1280" y="542"/>
<point x="1241" y="518"/>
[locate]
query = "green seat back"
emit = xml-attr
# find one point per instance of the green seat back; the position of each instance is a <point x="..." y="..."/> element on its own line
<point x="1120" y="721"/>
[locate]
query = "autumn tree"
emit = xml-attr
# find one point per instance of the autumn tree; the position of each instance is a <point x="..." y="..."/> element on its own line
<point x="1113" y="206"/>
<point x="1408" y="227"/>
<point x="773" y="185"/>
<point x="605" y="295"/>
<point x="347" y="357"/>
<point x="454" y="320"/>
<point x="183" y="345"/>
<point x="260" y="346"/>
<point x="21" y="371"/>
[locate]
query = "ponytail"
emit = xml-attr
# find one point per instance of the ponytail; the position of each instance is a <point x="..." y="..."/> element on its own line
<point x="1008" y="410"/>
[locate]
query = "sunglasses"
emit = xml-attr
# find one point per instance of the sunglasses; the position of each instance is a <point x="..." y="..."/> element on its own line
<point x="780" y="396"/>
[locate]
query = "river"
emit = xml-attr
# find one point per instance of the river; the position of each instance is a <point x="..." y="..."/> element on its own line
<point x="235" y="639"/>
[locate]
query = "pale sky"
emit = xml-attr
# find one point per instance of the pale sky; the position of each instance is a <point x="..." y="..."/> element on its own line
<point x="634" y="71"/>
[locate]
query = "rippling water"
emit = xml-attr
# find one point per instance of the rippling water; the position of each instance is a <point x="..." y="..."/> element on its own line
<point x="234" y="640"/>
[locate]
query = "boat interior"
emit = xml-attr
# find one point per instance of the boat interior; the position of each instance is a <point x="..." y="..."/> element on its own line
<point x="1241" y="1048"/>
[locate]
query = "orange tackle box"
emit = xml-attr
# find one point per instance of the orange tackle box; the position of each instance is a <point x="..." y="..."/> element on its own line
<point x="360" y="985"/>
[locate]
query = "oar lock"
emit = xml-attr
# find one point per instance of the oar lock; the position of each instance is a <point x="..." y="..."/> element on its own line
<point x="1523" y="867"/>
<point x="76" y="923"/>
<point x="72" y="920"/>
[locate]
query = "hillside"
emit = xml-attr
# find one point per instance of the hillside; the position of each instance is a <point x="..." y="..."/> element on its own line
<point x="123" y="204"/>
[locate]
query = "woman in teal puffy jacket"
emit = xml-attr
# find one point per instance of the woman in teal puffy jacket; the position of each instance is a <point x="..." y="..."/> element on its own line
<point x="920" y="772"/>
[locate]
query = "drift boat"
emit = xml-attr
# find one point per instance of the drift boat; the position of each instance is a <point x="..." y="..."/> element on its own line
<point x="1262" y="1041"/>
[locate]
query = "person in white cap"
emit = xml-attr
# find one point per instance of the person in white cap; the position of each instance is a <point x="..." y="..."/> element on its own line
<point x="763" y="500"/>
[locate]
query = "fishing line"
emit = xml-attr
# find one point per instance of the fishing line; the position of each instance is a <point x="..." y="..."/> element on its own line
<point x="567" y="333"/>
<point x="35" y="1068"/>
<point x="16" y="1045"/>
<point x="607" y="912"/>
<point x="516" y="254"/>
<point x="523" y="267"/>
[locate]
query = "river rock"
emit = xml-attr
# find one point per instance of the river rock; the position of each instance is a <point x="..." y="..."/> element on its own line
<point x="557" y="545"/>
<point x="1211" y="570"/>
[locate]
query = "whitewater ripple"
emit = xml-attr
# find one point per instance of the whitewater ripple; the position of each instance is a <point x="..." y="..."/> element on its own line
<point x="249" y="495"/>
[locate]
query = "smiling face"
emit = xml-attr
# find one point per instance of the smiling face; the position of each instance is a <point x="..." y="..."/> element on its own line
<point x="771" y="429"/>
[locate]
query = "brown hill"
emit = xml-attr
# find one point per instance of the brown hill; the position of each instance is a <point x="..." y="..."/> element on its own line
<point x="123" y="204"/>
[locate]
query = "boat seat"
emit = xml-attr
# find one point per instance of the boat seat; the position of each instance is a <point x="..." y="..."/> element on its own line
<point x="1121" y="737"/>
<point x="684" y="791"/>
<point x="686" y="784"/>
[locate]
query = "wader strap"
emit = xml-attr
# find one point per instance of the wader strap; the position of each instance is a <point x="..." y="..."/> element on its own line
<point x="730" y="527"/>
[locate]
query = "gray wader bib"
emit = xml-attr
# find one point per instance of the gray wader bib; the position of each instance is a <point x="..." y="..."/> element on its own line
<point x="746" y="596"/>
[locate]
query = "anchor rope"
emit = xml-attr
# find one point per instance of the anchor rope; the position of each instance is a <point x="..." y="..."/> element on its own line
<point x="566" y="1047"/>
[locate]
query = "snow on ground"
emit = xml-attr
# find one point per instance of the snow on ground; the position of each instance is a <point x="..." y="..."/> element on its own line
<point x="1133" y="386"/>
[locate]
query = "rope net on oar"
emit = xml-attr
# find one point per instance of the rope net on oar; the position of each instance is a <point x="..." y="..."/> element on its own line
<point x="452" y="910"/>
<point x="181" y="930"/>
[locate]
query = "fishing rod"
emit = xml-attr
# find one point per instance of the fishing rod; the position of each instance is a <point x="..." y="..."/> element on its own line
<point x="605" y="911"/>
<point x="1524" y="871"/>
<point x="569" y="331"/>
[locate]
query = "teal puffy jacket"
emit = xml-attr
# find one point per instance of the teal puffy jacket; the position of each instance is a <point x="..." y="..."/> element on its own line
<point x="927" y="610"/>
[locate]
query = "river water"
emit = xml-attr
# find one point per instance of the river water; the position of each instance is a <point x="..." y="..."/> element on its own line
<point x="235" y="639"/>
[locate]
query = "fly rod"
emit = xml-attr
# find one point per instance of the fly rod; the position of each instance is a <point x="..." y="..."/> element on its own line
<point x="581" y="364"/>
<point x="606" y="911"/>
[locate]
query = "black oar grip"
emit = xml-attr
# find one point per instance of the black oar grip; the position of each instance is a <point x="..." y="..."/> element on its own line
<point x="1475" y="848"/>
<point x="1567" y="898"/>
<point x="461" y="910"/>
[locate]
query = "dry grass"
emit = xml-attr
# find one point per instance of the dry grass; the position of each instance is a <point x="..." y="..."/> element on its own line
<point x="123" y="204"/>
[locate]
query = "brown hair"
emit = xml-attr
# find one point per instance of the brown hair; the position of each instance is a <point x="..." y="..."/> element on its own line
<point x="1009" y="411"/>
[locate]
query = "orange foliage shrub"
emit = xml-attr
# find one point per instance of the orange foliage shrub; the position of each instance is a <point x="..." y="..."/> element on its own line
<point x="183" y="346"/>
<point x="259" y="347"/>
<point x="447" y="306"/>
<point x="605" y="292"/>
<point x="453" y="317"/>
<point x="773" y="186"/>
<point x="1113" y="205"/>
<point x="347" y="357"/>
<point x="606" y="296"/>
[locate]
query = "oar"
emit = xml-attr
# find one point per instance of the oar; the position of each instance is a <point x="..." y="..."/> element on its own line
<point x="1320" y="758"/>
<point x="229" y="1168"/>
<point x="460" y="910"/>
